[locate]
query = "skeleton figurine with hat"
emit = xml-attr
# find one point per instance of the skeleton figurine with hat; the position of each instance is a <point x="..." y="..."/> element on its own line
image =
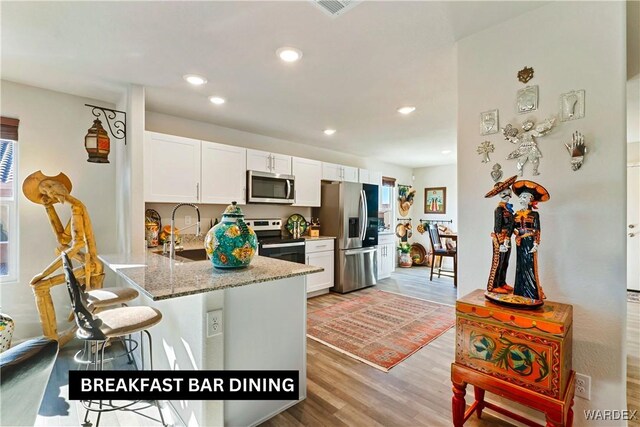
<point x="501" y="237"/>
<point x="76" y="239"/>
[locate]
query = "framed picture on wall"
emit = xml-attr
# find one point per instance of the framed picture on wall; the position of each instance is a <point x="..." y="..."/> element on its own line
<point x="435" y="200"/>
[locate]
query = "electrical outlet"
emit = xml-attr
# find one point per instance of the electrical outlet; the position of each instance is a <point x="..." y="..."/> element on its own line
<point x="187" y="220"/>
<point x="583" y="386"/>
<point x="214" y="323"/>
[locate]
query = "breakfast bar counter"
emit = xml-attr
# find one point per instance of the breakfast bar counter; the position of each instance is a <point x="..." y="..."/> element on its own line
<point x="252" y="318"/>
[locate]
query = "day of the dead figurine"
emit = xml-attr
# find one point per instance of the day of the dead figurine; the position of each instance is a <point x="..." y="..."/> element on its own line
<point x="527" y="232"/>
<point x="503" y="224"/>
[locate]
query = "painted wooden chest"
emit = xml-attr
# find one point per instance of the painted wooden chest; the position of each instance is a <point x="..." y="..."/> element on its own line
<point x="529" y="348"/>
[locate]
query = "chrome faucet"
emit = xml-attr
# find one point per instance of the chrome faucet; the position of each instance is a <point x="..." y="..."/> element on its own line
<point x="172" y="244"/>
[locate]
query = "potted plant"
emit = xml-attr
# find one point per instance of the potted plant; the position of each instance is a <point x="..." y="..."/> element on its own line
<point x="405" y="258"/>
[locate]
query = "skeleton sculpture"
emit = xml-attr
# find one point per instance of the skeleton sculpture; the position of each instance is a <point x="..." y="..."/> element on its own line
<point x="528" y="147"/>
<point x="576" y="150"/>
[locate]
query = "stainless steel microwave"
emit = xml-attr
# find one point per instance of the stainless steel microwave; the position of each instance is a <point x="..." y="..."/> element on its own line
<point x="264" y="187"/>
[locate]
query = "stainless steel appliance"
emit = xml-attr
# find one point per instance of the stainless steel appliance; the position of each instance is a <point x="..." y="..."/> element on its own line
<point x="264" y="187"/>
<point x="350" y="212"/>
<point x="272" y="244"/>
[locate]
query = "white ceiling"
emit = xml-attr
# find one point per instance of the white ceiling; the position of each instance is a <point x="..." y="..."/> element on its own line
<point x="356" y="69"/>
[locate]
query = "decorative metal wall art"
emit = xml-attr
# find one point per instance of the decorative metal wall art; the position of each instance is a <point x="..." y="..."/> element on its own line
<point x="96" y="142"/>
<point x="484" y="149"/>
<point x="572" y="105"/>
<point x="525" y="74"/>
<point x="527" y="99"/>
<point x="489" y="122"/>
<point x="576" y="150"/>
<point x="496" y="172"/>
<point x="527" y="145"/>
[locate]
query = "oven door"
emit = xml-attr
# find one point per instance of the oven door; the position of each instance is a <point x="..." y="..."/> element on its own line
<point x="292" y="252"/>
<point x="263" y="187"/>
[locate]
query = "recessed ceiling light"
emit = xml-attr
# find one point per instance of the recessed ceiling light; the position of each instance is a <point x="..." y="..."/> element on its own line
<point x="217" y="100"/>
<point x="195" y="79"/>
<point x="289" y="54"/>
<point x="329" y="131"/>
<point x="406" y="110"/>
<point x="446" y="151"/>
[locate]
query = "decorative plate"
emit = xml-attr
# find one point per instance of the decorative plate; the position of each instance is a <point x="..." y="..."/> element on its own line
<point x="291" y="222"/>
<point x="418" y="253"/>
<point x="400" y="230"/>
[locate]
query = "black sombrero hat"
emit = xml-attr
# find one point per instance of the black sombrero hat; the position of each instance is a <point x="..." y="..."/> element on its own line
<point x="540" y="194"/>
<point x="501" y="186"/>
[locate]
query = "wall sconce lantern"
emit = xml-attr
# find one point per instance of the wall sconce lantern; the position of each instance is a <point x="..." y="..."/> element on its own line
<point x="97" y="142"/>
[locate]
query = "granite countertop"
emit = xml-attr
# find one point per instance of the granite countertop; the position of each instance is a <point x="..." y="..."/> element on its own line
<point x="159" y="277"/>
<point x="318" y="238"/>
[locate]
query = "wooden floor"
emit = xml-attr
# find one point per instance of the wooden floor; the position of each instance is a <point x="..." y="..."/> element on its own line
<point x="344" y="392"/>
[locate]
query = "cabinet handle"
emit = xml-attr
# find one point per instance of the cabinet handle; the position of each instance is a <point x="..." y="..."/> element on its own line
<point x="197" y="191"/>
<point x="269" y="162"/>
<point x="244" y="194"/>
<point x="307" y="259"/>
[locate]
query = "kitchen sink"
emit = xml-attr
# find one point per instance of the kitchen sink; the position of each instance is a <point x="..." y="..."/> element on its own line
<point x="191" y="254"/>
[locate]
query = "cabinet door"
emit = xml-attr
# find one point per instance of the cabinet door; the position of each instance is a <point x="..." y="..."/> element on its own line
<point x="379" y="251"/>
<point x="223" y="174"/>
<point x="280" y="164"/>
<point x="363" y="176"/>
<point x="391" y="258"/>
<point x="349" y="174"/>
<point x="375" y="178"/>
<point x="331" y="172"/>
<point x="324" y="279"/>
<point x="308" y="175"/>
<point x="171" y="168"/>
<point x="258" y="161"/>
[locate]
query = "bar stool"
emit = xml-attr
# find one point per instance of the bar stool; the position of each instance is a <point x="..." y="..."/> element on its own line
<point x="99" y="327"/>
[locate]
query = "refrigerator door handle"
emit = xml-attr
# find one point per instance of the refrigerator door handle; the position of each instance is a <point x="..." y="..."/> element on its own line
<point x="366" y="215"/>
<point x="359" y="251"/>
<point x="363" y="215"/>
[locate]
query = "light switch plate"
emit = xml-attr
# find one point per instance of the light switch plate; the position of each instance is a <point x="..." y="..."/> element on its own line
<point x="214" y="323"/>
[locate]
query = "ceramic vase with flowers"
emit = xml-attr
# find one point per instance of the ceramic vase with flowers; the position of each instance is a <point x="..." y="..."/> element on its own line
<point x="405" y="255"/>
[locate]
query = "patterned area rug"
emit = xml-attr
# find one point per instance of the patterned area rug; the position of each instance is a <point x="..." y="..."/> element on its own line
<point x="633" y="296"/>
<point x="380" y="328"/>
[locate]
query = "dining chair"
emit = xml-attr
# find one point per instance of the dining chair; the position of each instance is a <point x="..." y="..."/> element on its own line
<point x="441" y="251"/>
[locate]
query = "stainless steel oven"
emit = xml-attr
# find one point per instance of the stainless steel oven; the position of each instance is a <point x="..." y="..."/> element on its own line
<point x="272" y="244"/>
<point x="285" y="250"/>
<point x="264" y="187"/>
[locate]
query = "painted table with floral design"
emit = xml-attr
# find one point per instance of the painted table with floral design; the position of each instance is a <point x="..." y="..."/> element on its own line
<point x="523" y="355"/>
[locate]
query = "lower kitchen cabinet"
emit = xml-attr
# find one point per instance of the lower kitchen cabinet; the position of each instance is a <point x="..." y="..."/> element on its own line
<point x="320" y="254"/>
<point x="386" y="256"/>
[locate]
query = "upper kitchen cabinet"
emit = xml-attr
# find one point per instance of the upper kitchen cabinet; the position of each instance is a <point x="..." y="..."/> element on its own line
<point x="333" y="172"/>
<point x="172" y="168"/>
<point x="308" y="175"/>
<point x="223" y="174"/>
<point x="263" y="161"/>
<point x="367" y="176"/>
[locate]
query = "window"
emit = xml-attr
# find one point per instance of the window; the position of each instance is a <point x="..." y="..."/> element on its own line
<point x="8" y="201"/>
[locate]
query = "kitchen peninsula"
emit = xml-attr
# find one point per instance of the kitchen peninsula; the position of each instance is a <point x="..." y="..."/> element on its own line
<point x="245" y="319"/>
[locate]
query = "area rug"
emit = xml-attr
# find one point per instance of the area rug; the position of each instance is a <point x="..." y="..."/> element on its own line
<point x="380" y="328"/>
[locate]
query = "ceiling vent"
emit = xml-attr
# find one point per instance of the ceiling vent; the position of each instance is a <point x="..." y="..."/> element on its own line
<point x="335" y="7"/>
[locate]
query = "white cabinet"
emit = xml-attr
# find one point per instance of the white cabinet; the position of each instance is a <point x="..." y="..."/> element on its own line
<point x="308" y="175"/>
<point x="171" y="168"/>
<point x="268" y="162"/>
<point x="223" y="174"/>
<point x="363" y="176"/>
<point x="386" y="255"/>
<point x="333" y="172"/>
<point x="320" y="254"/>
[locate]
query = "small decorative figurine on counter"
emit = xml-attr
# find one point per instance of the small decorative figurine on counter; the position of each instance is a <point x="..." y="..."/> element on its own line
<point x="231" y="243"/>
<point x="528" y="147"/>
<point x="503" y="224"/>
<point x="527" y="232"/>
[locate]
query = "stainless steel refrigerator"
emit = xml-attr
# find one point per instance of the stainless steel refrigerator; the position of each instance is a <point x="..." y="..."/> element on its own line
<point x="349" y="211"/>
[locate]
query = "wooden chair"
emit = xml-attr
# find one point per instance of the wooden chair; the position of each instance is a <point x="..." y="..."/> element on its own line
<point x="440" y="250"/>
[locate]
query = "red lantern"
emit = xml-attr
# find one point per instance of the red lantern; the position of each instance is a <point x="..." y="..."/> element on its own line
<point x="97" y="143"/>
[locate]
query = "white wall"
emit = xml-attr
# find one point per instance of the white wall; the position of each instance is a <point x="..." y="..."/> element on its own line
<point x="570" y="45"/>
<point x="51" y="133"/>
<point x="434" y="176"/>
